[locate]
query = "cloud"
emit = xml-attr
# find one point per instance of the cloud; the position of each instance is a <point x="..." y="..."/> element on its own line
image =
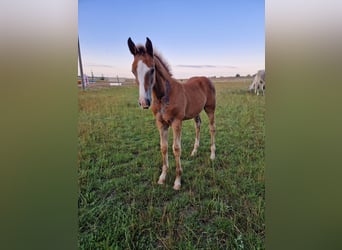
<point x="99" y="65"/>
<point x="195" y="66"/>
<point x="204" y="66"/>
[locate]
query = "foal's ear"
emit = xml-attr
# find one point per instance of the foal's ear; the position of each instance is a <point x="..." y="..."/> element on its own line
<point x="149" y="47"/>
<point x="132" y="47"/>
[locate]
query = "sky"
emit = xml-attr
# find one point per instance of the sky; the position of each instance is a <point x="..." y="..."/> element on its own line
<point x="195" y="37"/>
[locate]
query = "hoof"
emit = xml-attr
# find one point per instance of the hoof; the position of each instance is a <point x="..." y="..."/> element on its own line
<point x="177" y="184"/>
<point x="162" y="178"/>
<point x="194" y="151"/>
<point x="212" y="157"/>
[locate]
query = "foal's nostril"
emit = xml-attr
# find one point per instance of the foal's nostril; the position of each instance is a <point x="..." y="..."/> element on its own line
<point x="144" y="103"/>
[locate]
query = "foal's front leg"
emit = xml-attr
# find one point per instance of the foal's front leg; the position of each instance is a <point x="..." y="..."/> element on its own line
<point x="177" y="130"/>
<point x="163" y="131"/>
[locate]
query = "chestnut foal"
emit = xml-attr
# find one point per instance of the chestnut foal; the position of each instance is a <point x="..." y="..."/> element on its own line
<point x="172" y="102"/>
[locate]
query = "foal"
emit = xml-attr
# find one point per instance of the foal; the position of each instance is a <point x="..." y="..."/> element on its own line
<point x="172" y="102"/>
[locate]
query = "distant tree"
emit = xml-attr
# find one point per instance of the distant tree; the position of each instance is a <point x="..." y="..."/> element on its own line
<point x="237" y="75"/>
<point x="102" y="77"/>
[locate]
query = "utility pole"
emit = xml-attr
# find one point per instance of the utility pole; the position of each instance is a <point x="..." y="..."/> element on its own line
<point x="80" y="62"/>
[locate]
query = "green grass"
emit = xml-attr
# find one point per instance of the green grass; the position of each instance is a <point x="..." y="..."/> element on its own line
<point x="221" y="203"/>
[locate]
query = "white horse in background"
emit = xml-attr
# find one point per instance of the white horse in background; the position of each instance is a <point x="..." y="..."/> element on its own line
<point x="258" y="83"/>
<point x="85" y="80"/>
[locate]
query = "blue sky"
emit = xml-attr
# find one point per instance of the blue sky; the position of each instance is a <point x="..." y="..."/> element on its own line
<point x="196" y="37"/>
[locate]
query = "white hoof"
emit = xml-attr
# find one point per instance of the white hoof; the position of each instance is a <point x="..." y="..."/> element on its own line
<point x="177" y="185"/>
<point x="161" y="180"/>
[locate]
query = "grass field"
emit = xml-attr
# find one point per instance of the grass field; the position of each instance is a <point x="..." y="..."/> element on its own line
<point x="221" y="204"/>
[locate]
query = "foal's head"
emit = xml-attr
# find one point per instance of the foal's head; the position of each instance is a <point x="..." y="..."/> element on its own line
<point x="143" y="69"/>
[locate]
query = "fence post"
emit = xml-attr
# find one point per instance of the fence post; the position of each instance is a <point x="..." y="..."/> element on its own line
<point x="80" y="63"/>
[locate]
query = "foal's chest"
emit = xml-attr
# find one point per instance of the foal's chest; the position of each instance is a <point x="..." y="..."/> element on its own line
<point x="163" y="111"/>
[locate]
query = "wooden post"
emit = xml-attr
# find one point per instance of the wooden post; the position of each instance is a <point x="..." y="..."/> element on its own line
<point x="80" y="62"/>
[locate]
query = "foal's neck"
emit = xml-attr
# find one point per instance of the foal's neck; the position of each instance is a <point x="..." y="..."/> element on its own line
<point x="160" y="88"/>
<point x="163" y="80"/>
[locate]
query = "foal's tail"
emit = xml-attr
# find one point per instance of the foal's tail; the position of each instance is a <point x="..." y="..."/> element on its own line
<point x="211" y="98"/>
<point x="212" y="87"/>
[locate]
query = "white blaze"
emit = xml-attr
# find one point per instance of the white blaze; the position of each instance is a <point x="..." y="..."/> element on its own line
<point x="142" y="69"/>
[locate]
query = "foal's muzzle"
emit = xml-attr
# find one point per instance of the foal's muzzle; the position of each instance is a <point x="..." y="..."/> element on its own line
<point x="144" y="103"/>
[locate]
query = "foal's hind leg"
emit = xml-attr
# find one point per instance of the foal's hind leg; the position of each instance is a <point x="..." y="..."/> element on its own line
<point x="197" y="139"/>
<point x="177" y="130"/>
<point x="211" y="116"/>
